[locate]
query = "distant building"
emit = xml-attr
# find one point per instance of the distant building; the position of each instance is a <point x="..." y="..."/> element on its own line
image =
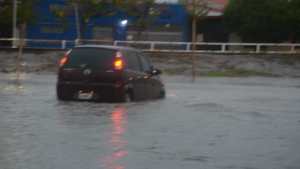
<point x="170" y="25"/>
<point x="173" y="24"/>
<point x="211" y="28"/>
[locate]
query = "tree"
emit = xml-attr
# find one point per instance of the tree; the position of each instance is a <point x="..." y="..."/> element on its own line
<point x="294" y="20"/>
<point x="84" y="10"/>
<point x="261" y="20"/>
<point x="5" y="26"/>
<point x="197" y="10"/>
<point x="25" y="12"/>
<point x="25" y="15"/>
<point x="144" y="12"/>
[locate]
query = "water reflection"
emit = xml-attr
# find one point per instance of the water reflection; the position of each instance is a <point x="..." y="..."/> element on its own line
<point x="14" y="84"/>
<point x="16" y="88"/>
<point x="119" y="121"/>
<point x="117" y="142"/>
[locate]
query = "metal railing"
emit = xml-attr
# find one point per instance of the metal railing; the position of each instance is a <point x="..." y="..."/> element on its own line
<point x="158" y="46"/>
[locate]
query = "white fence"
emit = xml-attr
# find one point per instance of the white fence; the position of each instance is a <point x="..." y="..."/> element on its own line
<point x="157" y="46"/>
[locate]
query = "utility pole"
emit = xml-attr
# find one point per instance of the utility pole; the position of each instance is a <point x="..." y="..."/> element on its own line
<point x="14" y="26"/>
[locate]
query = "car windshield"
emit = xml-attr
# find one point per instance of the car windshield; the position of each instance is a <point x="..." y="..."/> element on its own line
<point x="95" y="58"/>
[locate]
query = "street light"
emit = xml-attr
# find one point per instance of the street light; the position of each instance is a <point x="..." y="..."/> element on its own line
<point x="121" y="29"/>
<point x="124" y="23"/>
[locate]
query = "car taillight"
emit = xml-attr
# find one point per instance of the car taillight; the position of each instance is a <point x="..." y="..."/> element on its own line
<point x="118" y="64"/>
<point x="64" y="60"/>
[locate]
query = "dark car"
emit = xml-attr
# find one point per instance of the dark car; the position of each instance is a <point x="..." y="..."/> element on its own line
<point x="108" y="74"/>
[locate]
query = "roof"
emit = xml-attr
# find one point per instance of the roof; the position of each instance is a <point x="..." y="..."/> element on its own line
<point x="106" y="47"/>
<point x="217" y="7"/>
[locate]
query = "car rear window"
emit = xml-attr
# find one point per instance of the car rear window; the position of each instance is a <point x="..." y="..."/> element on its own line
<point x="133" y="61"/>
<point x="94" y="58"/>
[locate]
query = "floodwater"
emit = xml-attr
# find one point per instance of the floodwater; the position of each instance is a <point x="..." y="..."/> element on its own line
<point x="214" y="123"/>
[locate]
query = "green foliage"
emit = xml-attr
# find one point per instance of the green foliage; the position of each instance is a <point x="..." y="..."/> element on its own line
<point x="25" y="12"/>
<point x="144" y="11"/>
<point x="294" y="20"/>
<point x="5" y="12"/>
<point x="197" y="8"/>
<point x="263" y="20"/>
<point x="90" y="8"/>
<point x="85" y="10"/>
<point x="237" y="73"/>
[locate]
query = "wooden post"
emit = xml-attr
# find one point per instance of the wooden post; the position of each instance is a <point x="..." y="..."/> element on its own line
<point x="293" y="49"/>
<point x="258" y="47"/>
<point x="152" y="47"/>
<point x="63" y="44"/>
<point x="223" y="50"/>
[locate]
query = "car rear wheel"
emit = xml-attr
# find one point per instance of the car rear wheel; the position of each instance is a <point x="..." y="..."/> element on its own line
<point x="162" y="94"/>
<point x="127" y="97"/>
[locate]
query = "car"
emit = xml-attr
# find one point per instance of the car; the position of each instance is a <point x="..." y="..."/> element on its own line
<point x="108" y="74"/>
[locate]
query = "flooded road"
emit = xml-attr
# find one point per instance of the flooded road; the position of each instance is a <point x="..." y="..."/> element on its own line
<point x="215" y="123"/>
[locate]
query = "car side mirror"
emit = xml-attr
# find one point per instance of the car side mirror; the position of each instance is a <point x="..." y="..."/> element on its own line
<point x="156" y="72"/>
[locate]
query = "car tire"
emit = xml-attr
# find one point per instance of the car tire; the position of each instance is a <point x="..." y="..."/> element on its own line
<point x="127" y="97"/>
<point x="162" y="94"/>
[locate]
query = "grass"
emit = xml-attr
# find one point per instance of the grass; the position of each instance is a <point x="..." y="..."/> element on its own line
<point x="175" y="71"/>
<point x="237" y="73"/>
<point x="225" y="73"/>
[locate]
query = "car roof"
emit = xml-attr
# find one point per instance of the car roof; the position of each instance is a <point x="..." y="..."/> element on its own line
<point x="107" y="47"/>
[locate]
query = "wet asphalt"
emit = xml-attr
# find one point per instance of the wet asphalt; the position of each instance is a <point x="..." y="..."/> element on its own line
<point x="214" y="123"/>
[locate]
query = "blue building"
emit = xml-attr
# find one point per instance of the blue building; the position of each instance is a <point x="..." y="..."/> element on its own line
<point x="171" y="25"/>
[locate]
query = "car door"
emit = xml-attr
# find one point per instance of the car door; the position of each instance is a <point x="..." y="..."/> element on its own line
<point x="153" y="81"/>
<point x="157" y="85"/>
<point x="148" y="81"/>
<point x="135" y="75"/>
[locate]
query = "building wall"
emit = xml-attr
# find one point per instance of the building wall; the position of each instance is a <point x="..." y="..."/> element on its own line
<point x="48" y="26"/>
